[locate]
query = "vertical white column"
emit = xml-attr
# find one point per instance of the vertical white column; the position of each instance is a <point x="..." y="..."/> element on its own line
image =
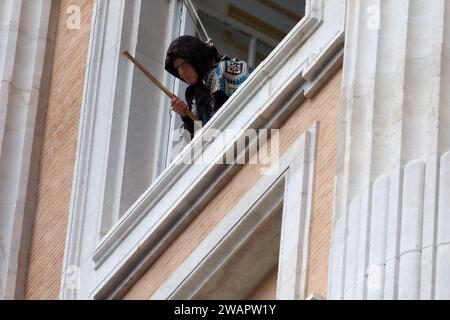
<point x="297" y="212"/>
<point x="395" y="130"/>
<point x="442" y="289"/>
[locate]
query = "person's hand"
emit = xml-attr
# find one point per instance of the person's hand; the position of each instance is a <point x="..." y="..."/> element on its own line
<point x="178" y="106"/>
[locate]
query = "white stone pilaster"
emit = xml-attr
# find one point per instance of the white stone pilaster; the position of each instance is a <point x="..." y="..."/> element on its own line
<point x="23" y="44"/>
<point x="392" y="170"/>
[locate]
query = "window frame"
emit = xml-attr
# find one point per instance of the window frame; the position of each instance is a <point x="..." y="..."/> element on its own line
<point x="296" y="69"/>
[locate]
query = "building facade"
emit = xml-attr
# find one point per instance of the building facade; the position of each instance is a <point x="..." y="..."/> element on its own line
<point x="325" y="176"/>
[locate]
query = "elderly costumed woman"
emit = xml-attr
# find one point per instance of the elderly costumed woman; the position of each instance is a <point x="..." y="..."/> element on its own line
<point x="211" y="78"/>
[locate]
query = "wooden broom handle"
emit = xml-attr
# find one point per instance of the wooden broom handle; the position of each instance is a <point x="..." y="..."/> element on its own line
<point x="156" y="82"/>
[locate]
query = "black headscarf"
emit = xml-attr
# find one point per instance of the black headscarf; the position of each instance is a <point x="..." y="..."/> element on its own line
<point x="197" y="53"/>
<point x="201" y="57"/>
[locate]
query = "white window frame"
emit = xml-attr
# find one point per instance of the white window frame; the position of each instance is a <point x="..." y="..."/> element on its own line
<point x="295" y="70"/>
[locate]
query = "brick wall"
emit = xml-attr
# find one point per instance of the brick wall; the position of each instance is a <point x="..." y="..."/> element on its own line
<point x="58" y="153"/>
<point x="324" y="107"/>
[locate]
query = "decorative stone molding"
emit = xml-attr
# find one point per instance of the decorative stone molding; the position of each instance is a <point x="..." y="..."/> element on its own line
<point x="391" y="202"/>
<point x="294" y="70"/>
<point x="291" y="186"/>
<point x="25" y="44"/>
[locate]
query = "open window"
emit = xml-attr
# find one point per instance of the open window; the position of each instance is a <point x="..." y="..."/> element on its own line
<point x="248" y="30"/>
